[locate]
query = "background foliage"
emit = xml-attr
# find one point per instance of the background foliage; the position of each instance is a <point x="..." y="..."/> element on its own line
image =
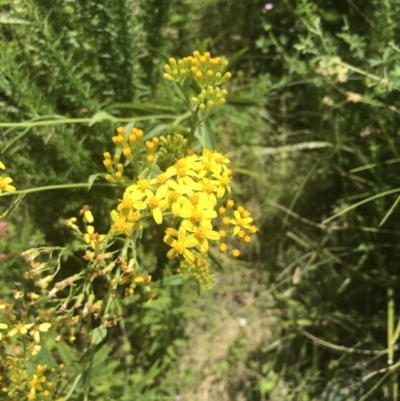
<point x="312" y="127"/>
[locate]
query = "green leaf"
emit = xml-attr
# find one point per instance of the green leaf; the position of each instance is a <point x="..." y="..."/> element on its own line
<point x="98" y="335"/>
<point x="92" y="179"/>
<point x="100" y="116"/>
<point x="233" y="60"/>
<point x="68" y="354"/>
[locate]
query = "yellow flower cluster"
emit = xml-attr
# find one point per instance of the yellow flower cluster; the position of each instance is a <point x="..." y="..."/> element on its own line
<point x="208" y="72"/>
<point x="199" y="269"/>
<point x="5" y="181"/>
<point x="187" y="193"/>
<point x="237" y="224"/>
<point x="29" y="332"/>
<point x="133" y="148"/>
<point x="22" y="379"/>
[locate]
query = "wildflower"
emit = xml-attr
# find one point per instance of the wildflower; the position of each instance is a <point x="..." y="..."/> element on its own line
<point x="269" y="6"/>
<point x="121" y="225"/>
<point x="184" y="170"/>
<point x="143" y="186"/>
<point x="20" y="328"/>
<point x="181" y="244"/>
<point x="224" y="181"/>
<point x="5" y="184"/>
<point x="202" y="235"/>
<point x="175" y="200"/>
<point x="240" y="222"/>
<point x="131" y="201"/>
<point x="157" y="204"/>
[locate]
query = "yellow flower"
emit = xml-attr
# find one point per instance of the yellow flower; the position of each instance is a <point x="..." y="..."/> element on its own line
<point x="121" y="225"/>
<point x="196" y="217"/>
<point x="5" y="185"/>
<point x="209" y="187"/>
<point x="240" y="222"/>
<point x="184" y="170"/>
<point x="20" y="328"/>
<point x="202" y="235"/>
<point x="181" y="244"/>
<point x="143" y="186"/>
<point x="2" y="166"/>
<point x="175" y="200"/>
<point x="224" y="181"/>
<point x="44" y="327"/>
<point x="157" y="204"/>
<point x="131" y="201"/>
<point x="92" y="238"/>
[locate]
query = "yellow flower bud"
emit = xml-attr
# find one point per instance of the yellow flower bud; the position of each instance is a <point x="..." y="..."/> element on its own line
<point x="168" y="77"/>
<point x="127" y="153"/>
<point x="109" y="178"/>
<point x="230" y="203"/>
<point x="182" y="74"/>
<point x="172" y="63"/>
<point x="235" y="253"/>
<point x="227" y="76"/>
<point x="120" y="131"/>
<point x="150" y="159"/>
<point x="107" y="165"/>
<point x="223" y="247"/>
<point x="88" y="217"/>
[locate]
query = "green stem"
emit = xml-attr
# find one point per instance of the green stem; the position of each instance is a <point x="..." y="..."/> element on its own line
<point x="193" y="126"/>
<point x="186" y="99"/>
<point x="62" y="121"/>
<point x="51" y="187"/>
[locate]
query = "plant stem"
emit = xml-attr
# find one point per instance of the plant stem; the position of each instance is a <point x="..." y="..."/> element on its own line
<point x="51" y="187"/>
<point x="193" y="126"/>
